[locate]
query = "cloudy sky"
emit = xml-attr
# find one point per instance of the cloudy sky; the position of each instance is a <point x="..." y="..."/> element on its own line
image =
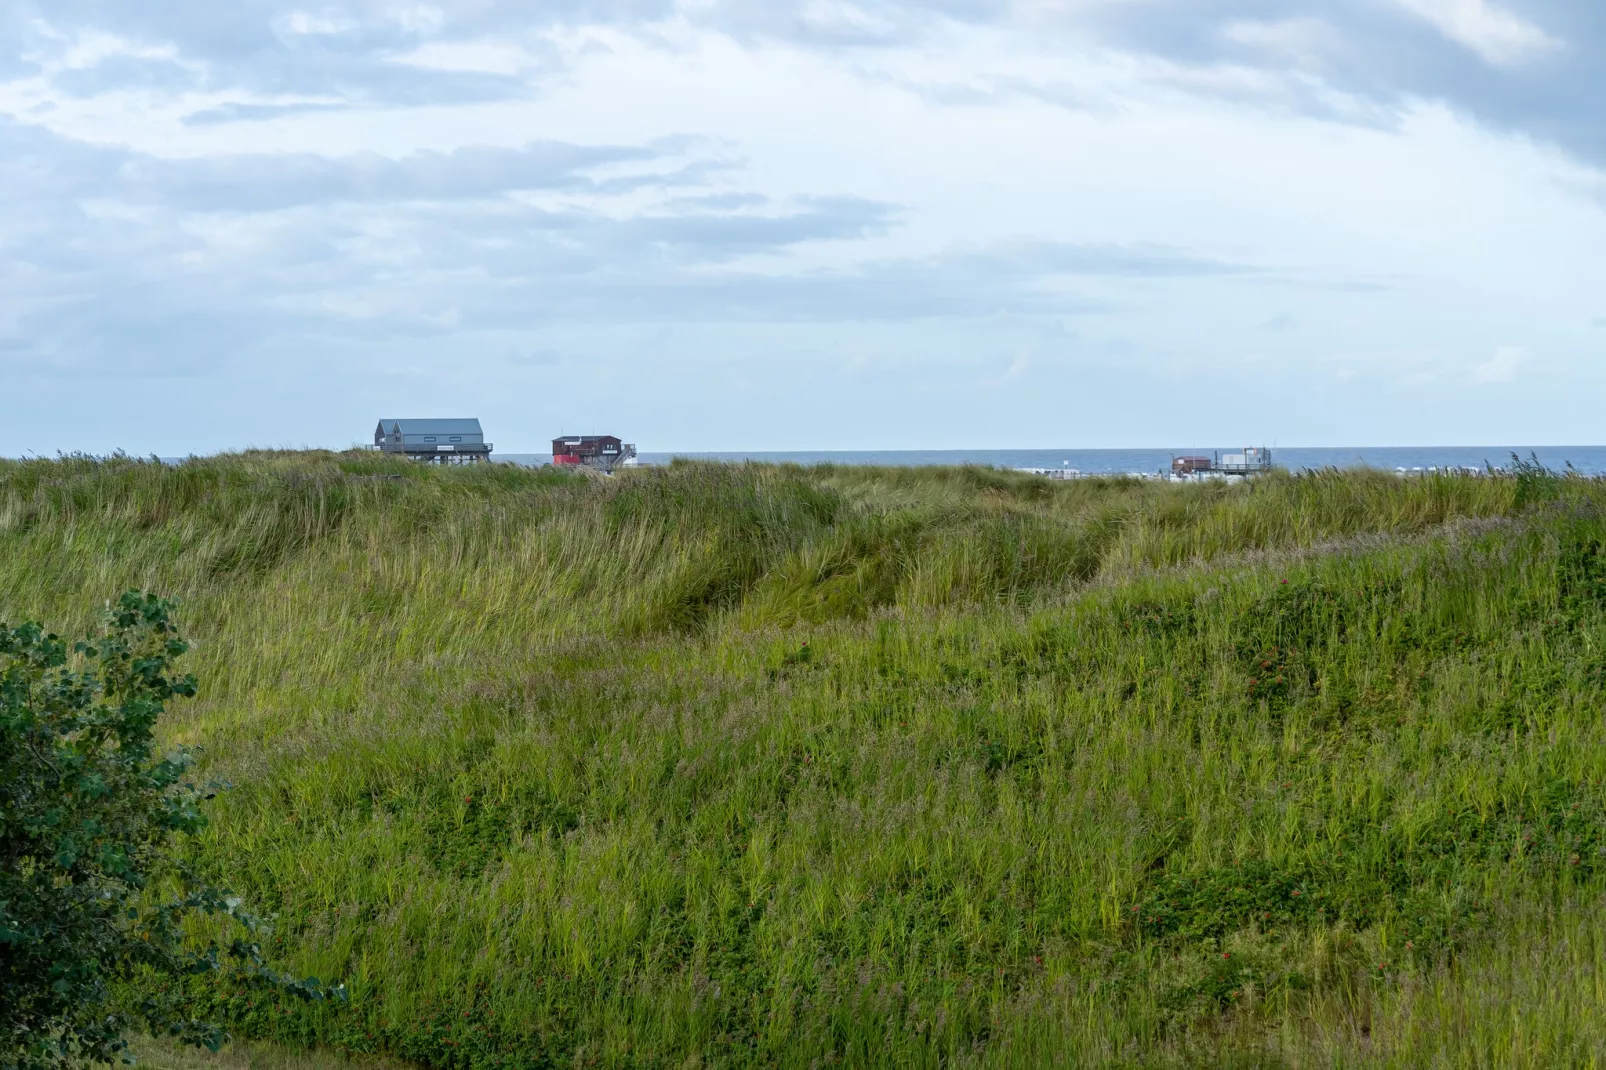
<point x="794" y="224"/>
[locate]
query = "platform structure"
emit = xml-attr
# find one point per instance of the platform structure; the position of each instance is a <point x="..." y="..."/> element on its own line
<point x="456" y="440"/>
<point x="1250" y="461"/>
<point x="598" y="453"/>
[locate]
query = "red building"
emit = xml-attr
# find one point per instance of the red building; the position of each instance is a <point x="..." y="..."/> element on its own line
<point x="602" y="452"/>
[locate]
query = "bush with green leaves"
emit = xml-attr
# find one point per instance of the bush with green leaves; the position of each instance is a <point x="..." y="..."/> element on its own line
<point x="94" y="901"/>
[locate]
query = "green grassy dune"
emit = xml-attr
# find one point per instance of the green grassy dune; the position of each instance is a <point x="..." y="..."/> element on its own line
<point x="731" y="766"/>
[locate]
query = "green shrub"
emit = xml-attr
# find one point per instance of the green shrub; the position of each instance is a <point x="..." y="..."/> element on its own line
<point x="90" y="897"/>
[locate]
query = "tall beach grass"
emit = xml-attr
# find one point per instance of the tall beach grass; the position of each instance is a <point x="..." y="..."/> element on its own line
<point x="754" y="765"/>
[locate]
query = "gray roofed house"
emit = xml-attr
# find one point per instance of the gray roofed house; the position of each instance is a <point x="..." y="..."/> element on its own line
<point x="443" y="440"/>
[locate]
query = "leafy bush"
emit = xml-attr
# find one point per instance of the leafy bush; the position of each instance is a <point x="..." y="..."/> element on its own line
<point x="92" y="903"/>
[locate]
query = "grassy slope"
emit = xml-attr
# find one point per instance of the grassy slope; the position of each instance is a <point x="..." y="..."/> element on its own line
<point x="544" y="770"/>
<point x="249" y="1055"/>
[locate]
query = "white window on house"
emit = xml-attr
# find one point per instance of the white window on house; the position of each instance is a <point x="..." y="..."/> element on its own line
<point x="429" y="438"/>
<point x="456" y="438"/>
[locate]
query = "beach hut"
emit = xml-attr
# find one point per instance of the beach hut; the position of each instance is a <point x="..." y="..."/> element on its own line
<point x="439" y="441"/>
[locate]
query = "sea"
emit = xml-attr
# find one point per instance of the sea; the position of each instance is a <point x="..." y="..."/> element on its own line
<point x="1588" y="460"/>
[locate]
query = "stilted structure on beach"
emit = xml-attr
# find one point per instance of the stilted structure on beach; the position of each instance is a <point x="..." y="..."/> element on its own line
<point x="600" y="453"/>
<point x="1252" y="460"/>
<point x="435" y="441"/>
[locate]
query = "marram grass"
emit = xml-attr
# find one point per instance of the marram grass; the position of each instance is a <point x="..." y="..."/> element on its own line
<point x="740" y="766"/>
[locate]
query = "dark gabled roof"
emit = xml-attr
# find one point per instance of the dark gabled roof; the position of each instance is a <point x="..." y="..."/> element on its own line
<point x="432" y="427"/>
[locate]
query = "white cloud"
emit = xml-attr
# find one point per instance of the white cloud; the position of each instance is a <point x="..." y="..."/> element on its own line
<point x="1503" y="366"/>
<point x="841" y="17"/>
<point x="1497" y="35"/>
<point x="1304" y="38"/>
<point x="421" y="19"/>
<point x="317" y="24"/>
<point x="494" y="57"/>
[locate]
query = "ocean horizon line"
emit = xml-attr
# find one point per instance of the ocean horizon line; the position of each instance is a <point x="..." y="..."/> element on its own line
<point x="1587" y="459"/>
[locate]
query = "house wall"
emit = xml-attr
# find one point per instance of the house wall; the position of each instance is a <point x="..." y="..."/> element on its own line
<point x="432" y="440"/>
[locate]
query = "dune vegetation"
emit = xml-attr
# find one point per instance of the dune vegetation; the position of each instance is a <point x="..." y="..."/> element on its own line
<point x="752" y="765"/>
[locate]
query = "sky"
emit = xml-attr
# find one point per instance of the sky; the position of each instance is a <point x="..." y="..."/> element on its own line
<point x="802" y="224"/>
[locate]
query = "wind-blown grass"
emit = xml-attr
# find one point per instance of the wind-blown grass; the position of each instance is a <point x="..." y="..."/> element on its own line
<point x="759" y="765"/>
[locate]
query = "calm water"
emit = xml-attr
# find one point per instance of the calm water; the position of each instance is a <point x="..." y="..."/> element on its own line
<point x="1590" y="460"/>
